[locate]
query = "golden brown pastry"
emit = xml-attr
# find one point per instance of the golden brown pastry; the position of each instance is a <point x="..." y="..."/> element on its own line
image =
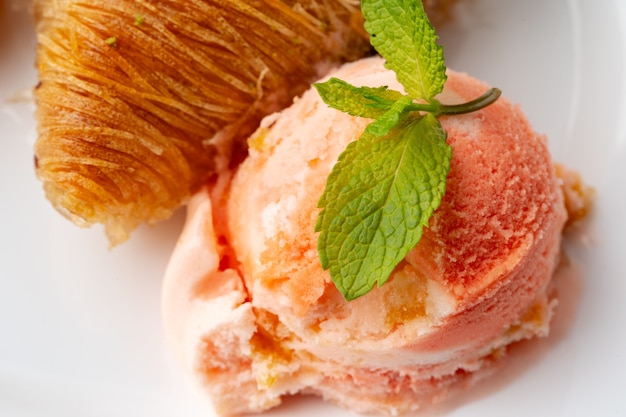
<point x="136" y="97"/>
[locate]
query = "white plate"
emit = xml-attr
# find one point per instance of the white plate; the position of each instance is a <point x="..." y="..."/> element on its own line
<point x="80" y="329"/>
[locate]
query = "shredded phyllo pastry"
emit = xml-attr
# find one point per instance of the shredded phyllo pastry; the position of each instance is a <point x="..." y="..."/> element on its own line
<point x="136" y="98"/>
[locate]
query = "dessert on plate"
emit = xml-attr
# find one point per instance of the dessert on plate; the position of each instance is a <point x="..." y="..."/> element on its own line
<point x="143" y="105"/>
<point x="253" y="316"/>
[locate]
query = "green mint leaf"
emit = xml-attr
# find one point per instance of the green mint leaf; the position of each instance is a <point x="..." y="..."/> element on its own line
<point x="390" y="119"/>
<point x="401" y="33"/>
<point x="379" y="196"/>
<point x="339" y="176"/>
<point x="369" y="102"/>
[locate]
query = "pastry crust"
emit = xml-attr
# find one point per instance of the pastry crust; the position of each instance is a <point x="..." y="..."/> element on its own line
<point x="138" y="99"/>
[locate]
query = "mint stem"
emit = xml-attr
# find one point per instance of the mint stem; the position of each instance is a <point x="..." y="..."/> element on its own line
<point x="486" y="99"/>
<point x="439" y="109"/>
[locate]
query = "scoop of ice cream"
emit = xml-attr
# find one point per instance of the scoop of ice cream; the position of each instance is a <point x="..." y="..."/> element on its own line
<point x="477" y="281"/>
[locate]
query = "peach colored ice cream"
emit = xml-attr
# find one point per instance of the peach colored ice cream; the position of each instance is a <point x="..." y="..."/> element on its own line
<point x="253" y="317"/>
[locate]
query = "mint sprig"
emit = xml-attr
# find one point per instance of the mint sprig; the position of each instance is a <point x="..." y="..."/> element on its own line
<point x="385" y="186"/>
